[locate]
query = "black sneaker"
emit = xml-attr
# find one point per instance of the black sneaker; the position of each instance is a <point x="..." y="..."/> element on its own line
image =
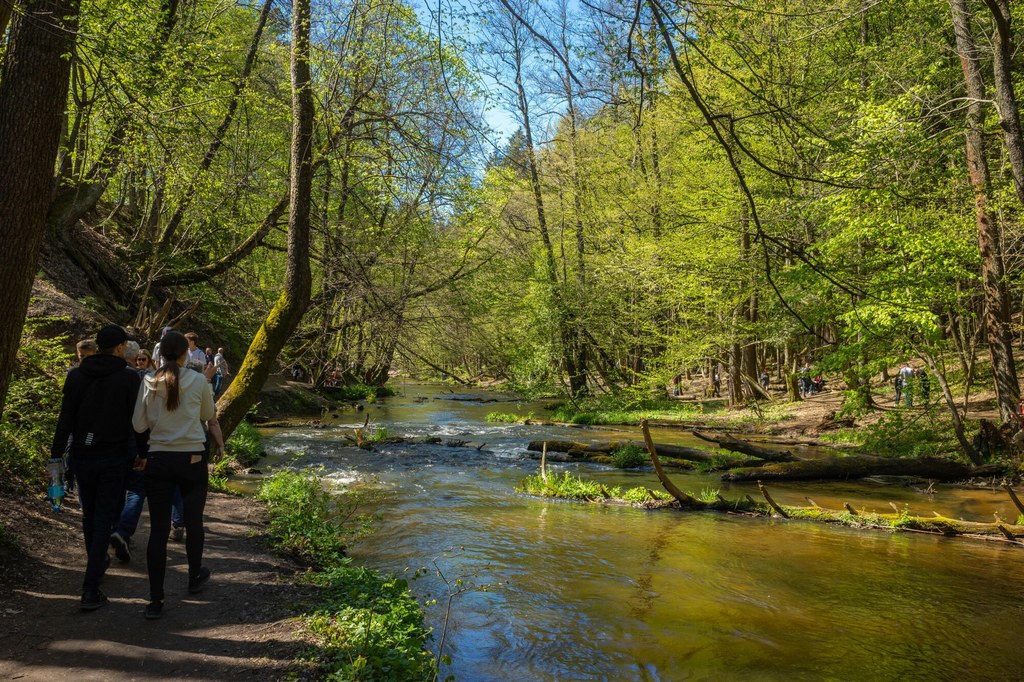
<point x="92" y="600"/>
<point x="154" y="610"/>
<point x="196" y="582"/>
<point x="178" y="533"/>
<point x="121" y="550"/>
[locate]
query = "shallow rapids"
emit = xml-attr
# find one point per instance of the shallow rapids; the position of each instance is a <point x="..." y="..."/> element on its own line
<point x="554" y="590"/>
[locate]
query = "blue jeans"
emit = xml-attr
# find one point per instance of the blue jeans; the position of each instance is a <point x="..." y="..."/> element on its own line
<point x="101" y="492"/>
<point x="133" y="502"/>
<point x="218" y="381"/>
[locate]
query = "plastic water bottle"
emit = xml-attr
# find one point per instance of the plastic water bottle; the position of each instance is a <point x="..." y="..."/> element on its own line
<point x="55" y="491"/>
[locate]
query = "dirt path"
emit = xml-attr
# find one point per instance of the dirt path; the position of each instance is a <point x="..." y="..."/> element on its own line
<point x="239" y="627"/>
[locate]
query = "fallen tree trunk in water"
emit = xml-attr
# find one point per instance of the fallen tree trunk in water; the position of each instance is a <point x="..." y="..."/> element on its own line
<point x="729" y="443"/>
<point x="843" y="468"/>
<point x="674" y="451"/>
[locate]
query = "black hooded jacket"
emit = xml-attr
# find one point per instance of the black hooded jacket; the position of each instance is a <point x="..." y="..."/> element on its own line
<point x="96" y="408"/>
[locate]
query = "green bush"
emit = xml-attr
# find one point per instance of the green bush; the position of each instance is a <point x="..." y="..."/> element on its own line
<point x="629" y="457"/>
<point x="357" y="392"/>
<point x="33" y="405"/>
<point x="245" y="444"/>
<point x="910" y="433"/>
<point x="625" y="409"/>
<point x="506" y="417"/>
<point x="369" y="627"/>
<point x="306" y="521"/>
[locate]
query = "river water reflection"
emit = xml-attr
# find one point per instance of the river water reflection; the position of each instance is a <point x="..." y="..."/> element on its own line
<point x="565" y="591"/>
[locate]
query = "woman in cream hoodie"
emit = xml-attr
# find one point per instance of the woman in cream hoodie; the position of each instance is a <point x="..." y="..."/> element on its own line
<point x="173" y="403"/>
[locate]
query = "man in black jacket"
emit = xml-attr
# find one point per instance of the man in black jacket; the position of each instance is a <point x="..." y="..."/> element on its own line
<point x="96" y="415"/>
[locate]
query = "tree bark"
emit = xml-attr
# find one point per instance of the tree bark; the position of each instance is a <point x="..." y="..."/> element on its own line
<point x="1006" y="99"/>
<point x="730" y="443"/>
<point x="997" y="315"/>
<point x="844" y="468"/>
<point x="284" y="317"/>
<point x="33" y="96"/>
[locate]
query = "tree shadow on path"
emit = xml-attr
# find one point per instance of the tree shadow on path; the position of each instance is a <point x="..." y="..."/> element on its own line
<point x="239" y="627"/>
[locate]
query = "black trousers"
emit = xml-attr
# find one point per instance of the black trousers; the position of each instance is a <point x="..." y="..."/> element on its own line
<point x="164" y="472"/>
<point x="101" y="479"/>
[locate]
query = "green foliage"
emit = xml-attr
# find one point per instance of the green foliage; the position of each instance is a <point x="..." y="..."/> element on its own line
<point x="572" y="487"/>
<point x="369" y="627"/>
<point x="307" y="521"/>
<point x="640" y="494"/>
<point x="507" y="418"/>
<point x="566" y="485"/>
<point x="709" y="495"/>
<point x="909" y="433"/>
<point x="245" y="444"/>
<point x="624" y="410"/>
<point x="629" y="457"/>
<point x="218" y="484"/>
<point x="380" y="435"/>
<point x="33" y="405"/>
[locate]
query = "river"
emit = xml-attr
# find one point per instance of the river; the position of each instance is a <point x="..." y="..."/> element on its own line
<point x="555" y="590"/>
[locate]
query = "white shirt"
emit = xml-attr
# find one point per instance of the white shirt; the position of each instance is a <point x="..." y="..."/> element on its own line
<point x="179" y="430"/>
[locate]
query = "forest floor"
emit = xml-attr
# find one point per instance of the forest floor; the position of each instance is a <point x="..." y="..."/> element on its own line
<point x="241" y="626"/>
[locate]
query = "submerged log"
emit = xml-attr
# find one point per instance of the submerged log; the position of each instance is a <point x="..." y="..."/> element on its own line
<point x="729" y="443"/>
<point x="582" y="450"/>
<point x="843" y="468"/>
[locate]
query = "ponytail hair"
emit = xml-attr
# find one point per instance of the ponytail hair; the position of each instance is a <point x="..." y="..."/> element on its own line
<point x="172" y="346"/>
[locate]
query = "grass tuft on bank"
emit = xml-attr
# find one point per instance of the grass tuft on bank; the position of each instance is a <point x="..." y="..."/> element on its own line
<point x="572" y="487"/>
<point x="367" y="625"/>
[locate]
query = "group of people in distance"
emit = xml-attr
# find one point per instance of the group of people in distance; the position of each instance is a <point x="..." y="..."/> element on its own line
<point x="136" y="426"/>
<point x="907" y="379"/>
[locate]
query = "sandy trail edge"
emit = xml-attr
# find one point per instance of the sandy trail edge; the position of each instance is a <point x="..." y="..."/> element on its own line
<point x="240" y="627"/>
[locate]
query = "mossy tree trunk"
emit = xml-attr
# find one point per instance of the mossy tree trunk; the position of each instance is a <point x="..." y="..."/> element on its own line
<point x="284" y="317"/>
<point x="33" y="95"/>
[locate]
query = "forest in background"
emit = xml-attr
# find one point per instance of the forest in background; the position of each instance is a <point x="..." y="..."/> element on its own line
<point x="691" y="185"/>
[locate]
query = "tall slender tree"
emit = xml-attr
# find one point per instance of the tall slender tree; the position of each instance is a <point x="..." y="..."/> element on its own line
<point x="284" y="317"/>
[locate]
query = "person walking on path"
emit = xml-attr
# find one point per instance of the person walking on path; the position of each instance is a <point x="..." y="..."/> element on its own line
<point x="196" y="356"/>
<point x="96" y="414"/>
<point x="221" y="372"/>
<point x="157" y="358"/>
<point x="907" y="377"/>
<point x="172" y="405"/>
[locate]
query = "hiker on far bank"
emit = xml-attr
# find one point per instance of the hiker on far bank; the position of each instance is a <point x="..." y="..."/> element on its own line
<point x="96" y="412"/>
<point x="897" y="385"/>
<point x="907" y="376"/>
<point x="765" y="380"/>
<point x="805" y="381"/>
<point x="716" y="384"/>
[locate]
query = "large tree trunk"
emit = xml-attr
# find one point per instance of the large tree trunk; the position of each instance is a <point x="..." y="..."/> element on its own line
<point x="33" y="94"/>
<point x="843" y="468"/>
<point x="287" y="312"/>
<point x="1006" y="99"/>
<point x="997" y="307"/>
